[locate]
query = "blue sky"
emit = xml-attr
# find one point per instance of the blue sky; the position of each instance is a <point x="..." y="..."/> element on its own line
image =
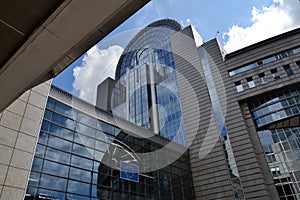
<point x="239" y="23"/>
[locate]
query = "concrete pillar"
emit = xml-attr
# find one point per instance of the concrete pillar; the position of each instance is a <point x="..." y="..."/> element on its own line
<point x="19" y="128"/>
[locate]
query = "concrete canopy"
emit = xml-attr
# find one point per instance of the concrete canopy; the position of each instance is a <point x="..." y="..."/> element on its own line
<point x="39" y="39"/>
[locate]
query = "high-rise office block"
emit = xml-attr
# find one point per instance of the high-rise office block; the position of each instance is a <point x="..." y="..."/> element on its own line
<point x="146" y="74"/>
<point x="104" y="94"/>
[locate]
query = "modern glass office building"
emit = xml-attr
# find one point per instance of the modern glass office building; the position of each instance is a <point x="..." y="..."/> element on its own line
<point x="149" y="92"/>
<point x="78" y="156"/>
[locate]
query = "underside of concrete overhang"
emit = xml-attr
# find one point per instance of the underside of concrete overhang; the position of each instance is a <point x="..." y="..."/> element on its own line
<point x="39" y="39"/>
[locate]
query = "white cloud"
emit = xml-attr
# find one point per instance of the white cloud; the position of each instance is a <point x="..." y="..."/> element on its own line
<point x="181" y="22"/>
<point x="281" y="16"/>
<point x="96" y="66"/>
<point x="185" y="23"/>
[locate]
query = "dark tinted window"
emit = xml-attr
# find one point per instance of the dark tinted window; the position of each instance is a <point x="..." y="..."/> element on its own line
<point x="63" y="121"/>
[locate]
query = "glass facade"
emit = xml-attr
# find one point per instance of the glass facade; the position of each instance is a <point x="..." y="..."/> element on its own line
<point x="279" y="135"/>
<point x="298" y="64"/>
<point x="147" y="74"/>
<point x="238" y="86"/>
<point x="74" y="152"/>
<point x="250" y="81"/>
<point x="138" y="102"/>
<point x="263" y="78"/>
<point x="276" y="107"/>
<point x="275" y="74"/>
<point x="288" y="70"/>
<point x="282" y="150"/>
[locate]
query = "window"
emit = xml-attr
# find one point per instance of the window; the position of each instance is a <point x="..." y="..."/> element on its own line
<point x="48" y="115"/>
<point x="63" y="121"/>
<point x="275" y="170"/>
<point x="275" y="74"/>
<point x="85" y="130"/>
<point x="50" y="104"/>
<point x="101" y="146"/>
<point x="61" y="132"/>
<point x="53" y="182"/>
<point x="59" y="143"/>
<point x="43" y="138"/>
<point x="80" y="174"/>
<point x="58" y="156"/>
<point x="84" y="140"/>
<point x="83" y="151"/>
<point x="45" y="126"/>
<point x="263" y="78"/>
<point x="40" y="150"/>
<point x="288" y="70"/>
<point x="260" y="62"/>
<point x="298" y="63"/>
<point x="265" y="61"/>
<point x="37" y="164"/>
<point x="250" y="81"/>
<point x="78" y="188"/>
<point x="239" y="86"/>
<point x="55" y="169"/>
<point x="85" y="119"/>
<point x="81" y="162"/>
<point x="65" y="110"/>
<point x="105" y="127"/>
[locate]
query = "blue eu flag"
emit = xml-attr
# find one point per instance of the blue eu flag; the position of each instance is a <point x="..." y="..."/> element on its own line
<point x="129" y="171"/>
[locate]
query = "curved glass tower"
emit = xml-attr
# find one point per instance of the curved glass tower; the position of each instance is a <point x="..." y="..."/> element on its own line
<point x="147" y="92"/>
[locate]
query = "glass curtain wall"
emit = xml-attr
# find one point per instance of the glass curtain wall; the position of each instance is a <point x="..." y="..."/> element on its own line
<point x="278" y="129"/>
<point x="146" y="72"/>
<point x="68" y="162"/>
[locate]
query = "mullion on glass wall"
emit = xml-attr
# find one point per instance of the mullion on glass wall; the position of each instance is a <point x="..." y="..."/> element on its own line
<point x="276" y="107"/>
<point x="286" y="162"/>
<point x="82" y="171"/>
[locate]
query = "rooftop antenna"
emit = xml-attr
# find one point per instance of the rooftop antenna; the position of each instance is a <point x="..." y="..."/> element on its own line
<point x="217" y="34"/>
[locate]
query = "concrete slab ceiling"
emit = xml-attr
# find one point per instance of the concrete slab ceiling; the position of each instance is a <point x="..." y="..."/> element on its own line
<point x="39" y="39"/>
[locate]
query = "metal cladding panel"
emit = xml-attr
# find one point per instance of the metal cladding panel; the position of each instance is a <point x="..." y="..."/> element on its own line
<point x="244" y="144"/>
<point x="265" y="51"/>
<point x="202" y="135"/>
<point x="256" y="179"/>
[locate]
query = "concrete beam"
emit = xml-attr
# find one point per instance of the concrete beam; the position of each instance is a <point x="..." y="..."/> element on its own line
<point x="69" y="32"/>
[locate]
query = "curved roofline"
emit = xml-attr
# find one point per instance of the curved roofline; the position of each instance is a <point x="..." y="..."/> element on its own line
<point x="158" y="23"/>
<point x="170" y="22"/>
